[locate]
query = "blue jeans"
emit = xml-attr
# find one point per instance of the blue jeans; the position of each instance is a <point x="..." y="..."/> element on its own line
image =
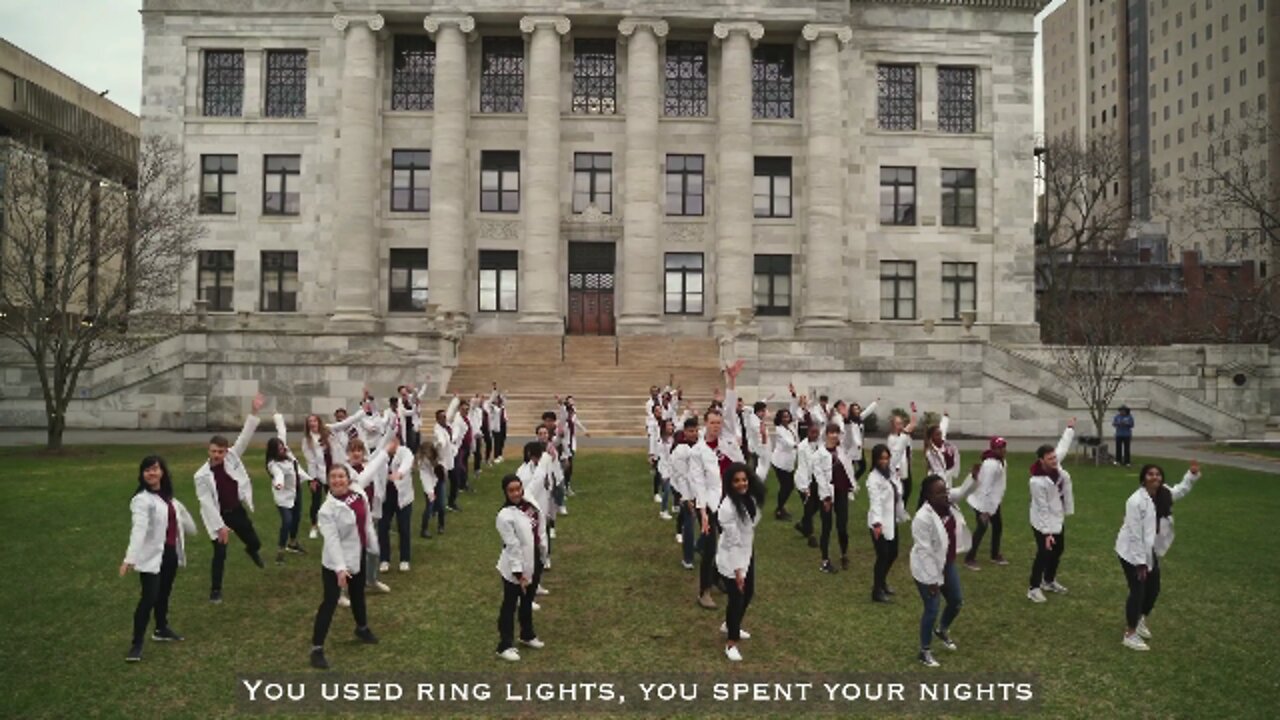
<point x="666" y="494"/>
<point x="951" y="591"/>
<point x="288" y="524"/>
<point x="688" y="520"/>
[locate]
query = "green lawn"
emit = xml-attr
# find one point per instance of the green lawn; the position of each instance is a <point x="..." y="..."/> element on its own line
<point x="621" y="603"/>
<point x="1262" y="452"/>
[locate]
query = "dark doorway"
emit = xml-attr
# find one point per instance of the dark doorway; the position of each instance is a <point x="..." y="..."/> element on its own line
<point x="591" y="283"/>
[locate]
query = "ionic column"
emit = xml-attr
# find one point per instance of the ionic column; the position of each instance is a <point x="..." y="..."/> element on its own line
<point x="642" y="213"/>
<point x="734" y="172"/>
<point x="355" y="239"/>
<point x="823" y="306"/>
<point x="540" y="270"/>
<point x="446" y="272"/>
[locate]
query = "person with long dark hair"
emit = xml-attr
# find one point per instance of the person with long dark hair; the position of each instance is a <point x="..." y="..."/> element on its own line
<point x="157" y="549"/>
<point x="685" y="491"/>
<point x="939" y="533"/>
<point x="318" y="450"/>
<point x="941" y="457"/>
<point x="884" y="512"/>
<point x="286" y="489"/>
<point x="833" y="475"/>
<point x="805" y="453"/>
<point x="783" y="459"/>
<point x="350" y="544"/>
<point x="1052" y="500"/>
<point x="519" y="524"/>
<point x="992" y="477"/>
<point x="899" y="444"/>
<point x="738" y="515"/>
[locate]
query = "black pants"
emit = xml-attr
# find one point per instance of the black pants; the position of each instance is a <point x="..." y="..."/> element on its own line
<point x="786" y="485"/>
<point x="886" y="554"/>
<point x="499" y="440"/>
<point x="906" y="485"/>
<point x="840" y="508"/>
<point x="518" y="602"/>
<point x="997" y="528"/>
<point x="707" y="546"/>
<point x="317" y="499"/>
<point x="355" y="592"/>
<point x="1045" y="567"/>
<point x="657" y="480"/>
<point x="436" y="506"/>
<point x="403" y="518"/>
<point x="811" y="505"/>
<point x="477" y="453"/>
<point x="238" y="522"/>
<point x="739" y="600"/>
<point x="156" y="588"/>
<point x="825" y="515"/>
<point x="1122" y="450"/>
<point x="1142" y="593"/>
<point x="567" y="465"/>
<point x="456" y="480"/>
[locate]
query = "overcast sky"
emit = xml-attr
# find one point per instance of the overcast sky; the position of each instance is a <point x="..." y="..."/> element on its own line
<point x="99" y="43"/>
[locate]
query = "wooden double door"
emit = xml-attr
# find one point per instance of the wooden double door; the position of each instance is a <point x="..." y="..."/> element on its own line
<point x="591" y="288"/>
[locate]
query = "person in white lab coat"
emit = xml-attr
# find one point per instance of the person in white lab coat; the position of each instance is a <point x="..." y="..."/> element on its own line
<point x="741" y="507"/>
<point x="446" y="450"/>
<point x="368" y="475"/>
<point x="660" y="447"/>
<point x="397" y="507"/>
<point x="286" y="489"/>
<point x="536" y="482"/>
<point x="350" y="544"/>
<point x="1135" y="546"/>
<point x="805" y="481"/>
<point x="519" y="524"/>
<point x="317" y="449"/>
<point x="427" y="464"/>
<point x="1052" y="500"/>
<point x="783" y="459"/>
<point x="899" y="443"/>
<point x="992" y="476"/>
<point x="685" y="491"/>
<point x="939" y="534"/>
<point x="157" y="548"/>
<point x="833" y="477"/>
<point x="942" y="458"/>
<point x="885" y="510"/>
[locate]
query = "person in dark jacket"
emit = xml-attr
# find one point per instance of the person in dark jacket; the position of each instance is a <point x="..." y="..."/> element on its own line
<point x="1123" y="424"/>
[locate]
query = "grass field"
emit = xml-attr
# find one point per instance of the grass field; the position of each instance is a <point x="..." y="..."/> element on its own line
<point x="621" y="603"/>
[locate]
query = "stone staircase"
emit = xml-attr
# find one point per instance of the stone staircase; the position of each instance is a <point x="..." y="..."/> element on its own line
<point x="609" y="377"/>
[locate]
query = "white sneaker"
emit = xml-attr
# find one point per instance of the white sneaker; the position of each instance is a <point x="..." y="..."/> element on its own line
<point x="381" y="586"/>
<point x="535" y="643"/>
<point x="679" y="540"/>
<point x="664" y="515"/>
<point x="510" y="654"/>
<point x="731" y="652"/>
<point x="927" y="659"/>
<point x="1143" y="631"/>
<point x="552" y="533"/>
<point x="543" y="591"/>
<point x="1036" y="595"/>
<point x="657" y="498"/>
<point x="564" y="510"/>
<point x="313" y="534"/>
<point x="499" y="462"/>
<point x="546" y="564"/>
<point x="742" y="634"/>
<point x="536" y="606"/>
<point x="344" y="601"/>
<point x="384" y="567"/>
<point x="1054" y="587"/>
<point x="404" y="567"/>
<point x="1133" y="642"/>
<point x="686" y="565"/>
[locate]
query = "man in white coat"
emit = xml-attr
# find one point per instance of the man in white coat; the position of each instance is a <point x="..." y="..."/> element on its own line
<point x="986" y="500"/>
<point x="1052" y="500"/>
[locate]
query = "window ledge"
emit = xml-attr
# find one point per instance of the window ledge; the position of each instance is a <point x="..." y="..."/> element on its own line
<point x="408" y="113"/>
<point x="218" y="217"/>
<point x="981" y="135"/>
<point x="706" y="119"/>
<point x="241" y="120"/>
<point x="783" y="122"/>
<point x="280" y="218"/>
<point x="774" y="221"/>
<point x="687" y="219"/>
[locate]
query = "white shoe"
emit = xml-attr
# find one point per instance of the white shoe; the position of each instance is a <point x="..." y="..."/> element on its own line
<point x="499" y="462"/>
<point x="543" y="591"/>
<point x="510" y="654"/>
<point x="313" y="534"/>
<point x="536" y="606"/>
<point x="657" y="498"/>
<point x="546" y="564"/>
<point x="404" y="567"/>
<point x="1054" y="587"/>
<point x="552" y="533"/>
<point x="384" y="567"/>
<point x="564" y="510"/>
<point x="1142" y="630"/>
<point x="344" y="601"/>
<point x="686" y="565"/>
<point x="743" y="634"/>
<point x="731" y="652"/>
<point x="664" y="515"/>
<point x="1133" y="642"/>
<point x="535" y="643"/>
<point x="381" y="586"/>
<point x="1036" y="595"/>
<point x="679" y="540"/>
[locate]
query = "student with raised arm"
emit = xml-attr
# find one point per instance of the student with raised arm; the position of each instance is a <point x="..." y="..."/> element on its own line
<point x="833" y="473"/>
<point x="550" y="464"/>
<point x="498" y="423"/>
<point x="661" y="448"/>
<point x="652" y="426"/>
<point x="397" y="506"/>
<point x="855" y="433"/>
<point x="783" y="459"/>
<point x="682" y="456"/>
<point x="286" y="489"/>
<point x="157" y="548"/>
<point x="446" y="456"/>
<point x="570" y="427"/>
<point x="477" y="419"/>
<point x="1051" y="502"/>
<point x="940" y="456"/>
<point x="805" y="482"/>
<point x="537" y="486"/>
<point x="899" y="442"/>
<point x="366" y="475"/>
<point x="992" y="477"/>
<point x="939" y="534"/>
<point x="885" y="510"/>
<point x="459" y="428"/>
<point x="225" y="491"/>
<point x="1135" y="546"/>
<point x="350" y="544"/>
<point x="427" y="463"/>
<point x="523" y="544"/>
<point x="711" y="457"/>
<point x="738" y="514"/>
<point x="317" y="449"/>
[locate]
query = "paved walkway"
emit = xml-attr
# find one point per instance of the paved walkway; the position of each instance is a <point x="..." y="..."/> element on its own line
<point x="1173" y="448"/>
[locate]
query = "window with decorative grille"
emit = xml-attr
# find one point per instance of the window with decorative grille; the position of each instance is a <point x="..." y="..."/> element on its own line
<point x="896" y="96"/>
<point x="413" y="73"/>
<point x="286" y="83"/>
<point x="595" y="76"/>
<point x="686" y="79"/>
<point x="957" y="101"/>
<point x="224" y="83"/>
<point x="502" y="75"/>
<point x="773" y="82"/>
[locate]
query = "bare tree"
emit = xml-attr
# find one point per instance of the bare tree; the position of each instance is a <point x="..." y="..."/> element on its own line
<point x="91" y="253"/>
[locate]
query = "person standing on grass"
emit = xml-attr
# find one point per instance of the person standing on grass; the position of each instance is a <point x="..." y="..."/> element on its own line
<point x="738" y="514"/>
<point x="1123" y="424"/>
<point x="805" y="481"/>
<point x="992" y="477"/>
<point x="536" y="484"/>
<point x="350" y="544"/>
<point x="686" y="492"/>
<point x="477" y="418"/>
<point x="317" y="450"/>
<point x="456" y="416"/>
<point x="523" y="545"/>
<point x="427" y="462"/>
<point x="225" y="491"/>
<point x="783" y="459"/>
<point x="286" y="489"/>
<point x="941" y="457"/>
<point x="712" y="456"/>
<point x="661" y="447"/>
<point x="652" y="429"/>
<point x="833" y="473"/>
<point x="1052" y="500"/>
<point x="939" y="533"/>
<point x="1147" y="587"/>
<point x="397" y="506"/>
<point x="157" y="549"/>
<point x="446" y="450"/>
<point x="855" y="432"/>
<point x="885" y="510"/>
<point x="365" y="475"/>
<point x="554" y="473"/>
<point x="899" y="443"/>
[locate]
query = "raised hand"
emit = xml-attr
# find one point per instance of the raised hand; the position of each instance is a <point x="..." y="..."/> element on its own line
<point x="258" y="401"/>
<point x="1071" y="423"/>
<point x="1195" y="467"/>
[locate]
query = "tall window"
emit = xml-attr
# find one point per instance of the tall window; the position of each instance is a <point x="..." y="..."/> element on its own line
<point x="280" y="184"/>
<point x="413" y="73"/>
<point x="773" y="81"/>
<point x="286" y="83"/>
<point x="772" y="187"/>
<point x="593" y="181"/>
<point x="595" y="76"/>
<point x="959" y="288"/>
<point x="957" y="106"/>
<point x="959" y="197"/>
<point x="216" y="270"/>
<point x="684" y="185"/>
<point x="500" y="181"/>
<point x="773" y="285"/>
<point x="897" y="290"/>
<point x="218" y="184"/>
<point x="686" y="79"/>
<point x="279" y="281"/>
<point x="498" y="270"/>
<point x="896" y="96"/>
<point x="224" y="83"/>
<point x="411" y="180"/>
<point x="897" y="196"/>
<point x="683" y="289"/>
<point x="502" y="75"/>
<point x="408" y="280"/>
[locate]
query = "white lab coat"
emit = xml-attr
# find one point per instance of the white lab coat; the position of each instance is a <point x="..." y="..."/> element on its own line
<point x="661" y="449"/>
<point x="518" y="538"/>
<point x="313" y="453"/>
<point x="991" y="486"/>
<point x="899" y="461"/>
<point x="337" y="525"/>
<point x="1049" y="507"/>
<point x="783" y="456"/>
<point x="1135" y="543"/>
<point x="935" y="458"/>
<point x="804" y="466"/>
<point x="285" y="474"/>
<point x="402" y="462"/>
<point x="147" y="533"/>
<point x="929" y="551"/>
<point x="537" y="484"/>
<point x="737" y="539"/>
<point x="882" y="510"/>
<point x="374" y="475"/>
<point x="856" y="432"/>
<point x="207" y="487"/>
<point x="1164" y="527"/>
<point x="704" y="476"/>
<point x="822" y="466"/>
<point x="680" y="458"/>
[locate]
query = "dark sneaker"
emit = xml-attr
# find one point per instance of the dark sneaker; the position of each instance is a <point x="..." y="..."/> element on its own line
<point x="366" y="636"/>
<point x="844" y="562"/>
<point x="800" y="529"/>
<point x="280" y="557"/>
<point x="879" y="597"/>
<point x="827" y="567"/>
<point x="926" y="659"/>
<point x="215" y="597"/>
<point x="256" y="558"/>
<point x="318" y="660"/>
<point x="295" y="548"/>
<point x="135" y="654"/>
<point x="813" y="541"/>
<point x="165" y="635"/>
<point x="888" y="591"/>
<point x="945" y="638"/>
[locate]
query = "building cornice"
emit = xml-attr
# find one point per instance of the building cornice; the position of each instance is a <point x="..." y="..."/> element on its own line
<point x="1031" y="6"/>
